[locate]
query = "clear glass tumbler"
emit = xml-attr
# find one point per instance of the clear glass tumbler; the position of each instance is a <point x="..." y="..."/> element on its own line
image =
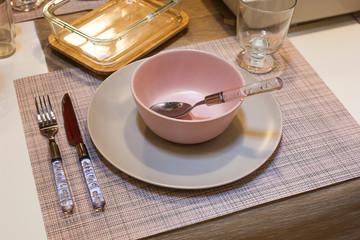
<point x="261" y="28"/>
<point x="26" y="5"/>
<point x="7" y="44"/>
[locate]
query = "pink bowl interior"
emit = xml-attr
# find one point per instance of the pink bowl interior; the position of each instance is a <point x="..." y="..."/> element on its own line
<point x="186" y="76"/>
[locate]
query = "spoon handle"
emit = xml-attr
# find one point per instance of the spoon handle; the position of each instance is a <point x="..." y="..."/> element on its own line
<point x="264" y="86"/>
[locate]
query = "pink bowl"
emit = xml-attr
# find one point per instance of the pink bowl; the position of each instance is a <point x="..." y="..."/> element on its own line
<point x="186" y="76"/>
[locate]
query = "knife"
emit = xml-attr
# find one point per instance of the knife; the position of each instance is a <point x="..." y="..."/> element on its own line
<point x="74" y="137"/>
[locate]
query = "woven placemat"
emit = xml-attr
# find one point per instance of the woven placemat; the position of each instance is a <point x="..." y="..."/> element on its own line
<point x="71" y="7"/>
<point x="320" y="146"/>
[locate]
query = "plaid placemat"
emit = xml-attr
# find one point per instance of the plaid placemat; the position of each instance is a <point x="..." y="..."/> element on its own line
<point x="320" y="146"/>
<point x="70" y="7"/>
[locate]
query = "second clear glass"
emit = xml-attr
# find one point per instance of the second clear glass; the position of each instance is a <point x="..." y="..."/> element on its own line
<point x="262" y="26"/>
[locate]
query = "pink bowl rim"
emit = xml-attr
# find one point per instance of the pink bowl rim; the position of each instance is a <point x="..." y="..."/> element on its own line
<point x="176" y="119"/>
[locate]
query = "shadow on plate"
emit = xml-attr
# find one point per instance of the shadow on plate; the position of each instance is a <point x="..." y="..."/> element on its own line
<point x="187" y="193"/>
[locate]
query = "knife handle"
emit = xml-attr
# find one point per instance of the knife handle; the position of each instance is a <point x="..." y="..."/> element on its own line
<point x="92" y="184"/>
<point x="66" y="202"/>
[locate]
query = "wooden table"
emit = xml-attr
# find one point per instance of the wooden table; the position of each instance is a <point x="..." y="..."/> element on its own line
<point x="328" y="213"/>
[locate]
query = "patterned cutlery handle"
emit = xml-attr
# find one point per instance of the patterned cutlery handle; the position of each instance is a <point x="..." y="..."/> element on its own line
<point x="92" y="184"/>
<point x="66" y="202"/>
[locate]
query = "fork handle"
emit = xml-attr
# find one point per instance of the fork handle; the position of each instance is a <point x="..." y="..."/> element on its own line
<point x="66" y="202"/>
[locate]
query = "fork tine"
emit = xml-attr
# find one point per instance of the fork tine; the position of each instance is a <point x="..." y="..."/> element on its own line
<point x="40" y="121"/>
<point x="52" y="115"/>
<point x="45" y="120"/>
<point x="47" y="115"/>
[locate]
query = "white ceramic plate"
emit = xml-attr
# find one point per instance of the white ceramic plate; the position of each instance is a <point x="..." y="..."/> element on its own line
<point x="121" y="136"/>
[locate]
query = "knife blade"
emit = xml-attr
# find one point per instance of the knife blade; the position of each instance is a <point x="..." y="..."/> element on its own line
<point x="75" y="139"/>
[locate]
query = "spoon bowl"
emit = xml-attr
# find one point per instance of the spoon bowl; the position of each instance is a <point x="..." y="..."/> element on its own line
<point x="174" y="109"/>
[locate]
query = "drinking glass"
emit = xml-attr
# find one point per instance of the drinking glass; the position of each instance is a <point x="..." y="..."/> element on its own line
<point x="7" y="44"/>
<point x="261" y="28"/>
<point x="26" y="5"/>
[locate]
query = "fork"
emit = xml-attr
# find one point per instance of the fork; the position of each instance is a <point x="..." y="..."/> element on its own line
<point x="48" y="127"/>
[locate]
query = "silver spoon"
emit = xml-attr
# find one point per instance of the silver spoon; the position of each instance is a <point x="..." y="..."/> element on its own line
<point x="180" y="109"/>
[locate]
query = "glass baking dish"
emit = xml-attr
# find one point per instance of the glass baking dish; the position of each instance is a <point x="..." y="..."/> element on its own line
<point x="115" y="30"/>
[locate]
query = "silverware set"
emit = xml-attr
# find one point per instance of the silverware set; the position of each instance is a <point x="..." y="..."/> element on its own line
<point x="48" y="127"/>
